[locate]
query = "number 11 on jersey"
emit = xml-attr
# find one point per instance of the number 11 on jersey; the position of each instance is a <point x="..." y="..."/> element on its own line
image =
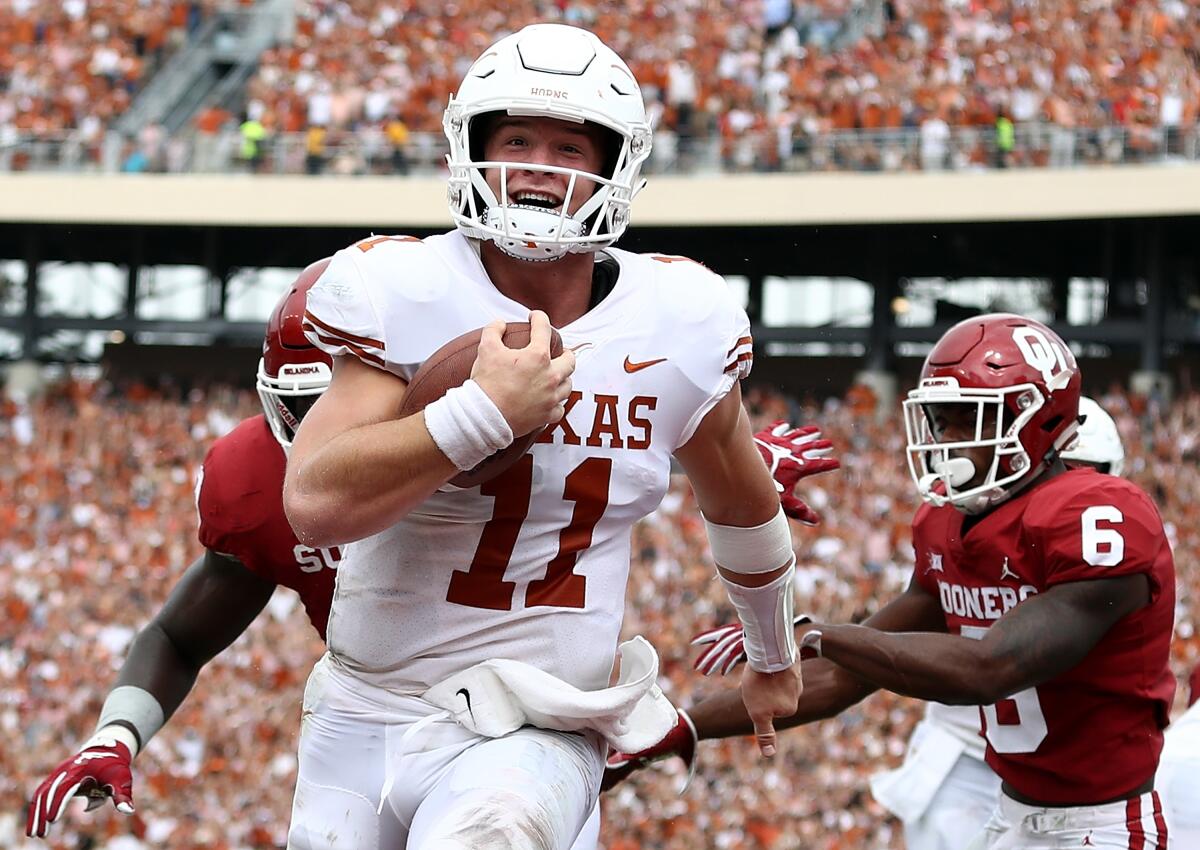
<point x="482" y="585"/>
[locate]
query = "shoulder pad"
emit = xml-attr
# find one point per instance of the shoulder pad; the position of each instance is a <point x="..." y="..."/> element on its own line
<point x="242" y="487"/>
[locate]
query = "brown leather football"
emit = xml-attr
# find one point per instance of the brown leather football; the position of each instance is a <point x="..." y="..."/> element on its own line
<point x="450" y="366"/>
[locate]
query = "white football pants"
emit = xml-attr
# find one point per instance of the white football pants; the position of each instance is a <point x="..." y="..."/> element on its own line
<point x="959" y="809"/>
<point x="1136" y="823"/>
<point x="364" y="784"/>
<point x="942" y="794"/>
<point x="1178" y="779"/>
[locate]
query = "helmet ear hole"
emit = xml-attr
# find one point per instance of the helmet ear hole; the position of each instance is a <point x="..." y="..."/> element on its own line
<point x="479" y="129"/>
<point x="612" y="153"/>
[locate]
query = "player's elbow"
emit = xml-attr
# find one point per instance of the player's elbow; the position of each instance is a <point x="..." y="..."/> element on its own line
<point x="323" y="519"/>
<point x="998" y="676"/>
<point x="310" y="520"/>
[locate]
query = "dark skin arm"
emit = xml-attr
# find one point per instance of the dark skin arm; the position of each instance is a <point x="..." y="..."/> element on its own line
<point x="1044" y="636"/>
<point x="208" y="609"/>
<point x="828" y="688"/>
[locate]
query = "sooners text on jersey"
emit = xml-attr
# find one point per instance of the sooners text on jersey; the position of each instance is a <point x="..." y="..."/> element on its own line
<point x="240" y="500"/>
<point x="1095" y="731"/>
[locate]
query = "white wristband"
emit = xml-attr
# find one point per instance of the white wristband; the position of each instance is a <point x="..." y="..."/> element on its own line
<point x="114" y="734"/>
<point x="760" y="549"/>
<point x="136" y="707"/>
<point x="467" y="426"/>
<point x="766" y="613"/>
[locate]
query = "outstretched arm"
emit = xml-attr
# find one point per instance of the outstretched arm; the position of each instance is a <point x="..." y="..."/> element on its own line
<point x="828" y="688"/>
<point x="1044" y="636"/>
<point x="208" y="609"/>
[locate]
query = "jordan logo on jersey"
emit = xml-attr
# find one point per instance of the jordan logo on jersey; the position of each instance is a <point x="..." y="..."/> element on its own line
<point x="1005" y="572"/>
<point x="935" y="563"/>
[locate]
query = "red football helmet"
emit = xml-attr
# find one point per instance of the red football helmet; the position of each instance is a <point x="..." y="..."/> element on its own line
<point x="1024" y="382"/>
<point x="292" y="373"/>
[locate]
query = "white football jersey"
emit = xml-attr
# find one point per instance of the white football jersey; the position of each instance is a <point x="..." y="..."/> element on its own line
<point x="1178" y="770"/>
<point x="962" y="721"/>
<point x="532" y="565"/>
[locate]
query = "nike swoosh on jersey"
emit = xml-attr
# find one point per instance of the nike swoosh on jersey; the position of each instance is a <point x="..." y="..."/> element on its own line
<point x="467" y="696"/>
<point x="631" y="366"/>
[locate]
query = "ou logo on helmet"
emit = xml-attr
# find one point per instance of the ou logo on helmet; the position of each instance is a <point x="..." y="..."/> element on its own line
<point x="1049" y="358"/>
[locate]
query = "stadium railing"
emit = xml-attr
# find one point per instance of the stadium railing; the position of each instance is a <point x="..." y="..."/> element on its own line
<point x="368" y="152"/>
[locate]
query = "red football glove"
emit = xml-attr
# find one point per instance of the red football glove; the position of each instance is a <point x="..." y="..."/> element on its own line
<point x="791" y="454"/>
<point x="101" y="769"/>
<point x="726" y="647"/>
<point x="680" y="741"/>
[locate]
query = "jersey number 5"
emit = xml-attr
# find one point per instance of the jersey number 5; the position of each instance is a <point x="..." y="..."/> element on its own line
<point x="1016" y="724"/>
<point x="483" y="585"/>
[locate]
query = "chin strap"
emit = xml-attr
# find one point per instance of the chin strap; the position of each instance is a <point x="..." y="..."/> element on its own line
<point x="999" y="495"/>
<point x="524" y="227"/>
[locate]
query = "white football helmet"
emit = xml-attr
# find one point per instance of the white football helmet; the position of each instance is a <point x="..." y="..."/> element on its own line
<point x="1098" y="442"/>
<point x="553" y="71"/>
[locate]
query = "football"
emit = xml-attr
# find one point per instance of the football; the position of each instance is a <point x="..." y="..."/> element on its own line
<point x="450" y="366"/>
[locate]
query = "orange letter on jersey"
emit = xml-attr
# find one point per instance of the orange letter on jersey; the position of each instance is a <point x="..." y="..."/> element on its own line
<point x="605" y="422"/>
<point x="570" y="438"/>
<point x="650" y="403"/>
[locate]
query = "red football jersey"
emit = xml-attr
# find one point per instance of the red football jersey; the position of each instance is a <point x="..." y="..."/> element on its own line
<point x="1095" y="731"/>
<point x="240" y="501"/>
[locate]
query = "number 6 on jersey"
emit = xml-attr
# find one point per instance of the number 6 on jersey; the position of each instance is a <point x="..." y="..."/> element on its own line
<point x="1102" y="547"/>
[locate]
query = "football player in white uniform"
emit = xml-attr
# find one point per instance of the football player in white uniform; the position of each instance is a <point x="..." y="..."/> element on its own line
<point x="499" y="606"/>
<point x="944" y="792"/>
<point x="1178" y="769"/>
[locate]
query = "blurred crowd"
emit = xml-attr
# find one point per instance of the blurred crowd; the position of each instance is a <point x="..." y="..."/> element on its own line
<point x="73" y="66"/>
<point x="97" y="522"/>
<point x="730" y="84"/>
<point x="835" y="84"/>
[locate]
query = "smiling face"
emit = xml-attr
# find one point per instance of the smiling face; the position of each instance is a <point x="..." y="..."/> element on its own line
<point x="544" y="141"/>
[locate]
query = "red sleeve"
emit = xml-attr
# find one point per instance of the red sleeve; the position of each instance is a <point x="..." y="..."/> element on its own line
<point x="921" y="551"/>
<point x="1104" y="529"/>
<point x="219" y="531"/>
<point x="234" y="498"/>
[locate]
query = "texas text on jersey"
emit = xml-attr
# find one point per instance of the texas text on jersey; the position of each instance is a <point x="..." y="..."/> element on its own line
<point x="240" y="501"/>
<point x="534" y="564"/>
<point x="1077" y="526"/>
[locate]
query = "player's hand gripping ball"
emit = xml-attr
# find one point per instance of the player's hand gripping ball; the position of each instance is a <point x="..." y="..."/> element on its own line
<point x="449" y="367"/>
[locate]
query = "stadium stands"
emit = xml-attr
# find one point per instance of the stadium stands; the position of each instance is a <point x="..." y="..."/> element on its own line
<point x="88" y="557"/>
<point x="68" y="68"/>
<point x="871" y="85"/>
